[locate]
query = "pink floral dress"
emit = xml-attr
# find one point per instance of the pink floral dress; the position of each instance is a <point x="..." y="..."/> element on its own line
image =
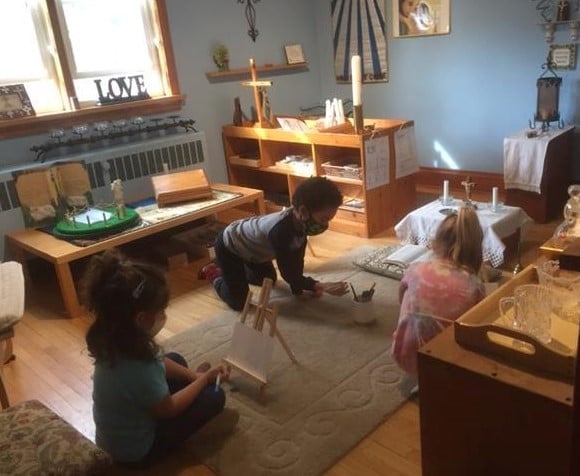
<point x="434" y="294"/>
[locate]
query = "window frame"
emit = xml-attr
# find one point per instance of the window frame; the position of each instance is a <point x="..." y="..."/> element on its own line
<point x="44" y="122"/>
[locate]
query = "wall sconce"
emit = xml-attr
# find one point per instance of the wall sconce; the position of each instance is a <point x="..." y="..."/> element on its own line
<point x="251" y="17"/>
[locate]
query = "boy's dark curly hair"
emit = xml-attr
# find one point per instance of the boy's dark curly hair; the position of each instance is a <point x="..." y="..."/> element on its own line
<point x="317" y="193"/>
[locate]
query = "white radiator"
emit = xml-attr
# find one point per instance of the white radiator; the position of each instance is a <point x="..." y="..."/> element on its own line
<point x="133" y="162"/>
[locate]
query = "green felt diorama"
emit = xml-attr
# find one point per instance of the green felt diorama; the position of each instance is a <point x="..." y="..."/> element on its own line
<point x="109" y="222"/>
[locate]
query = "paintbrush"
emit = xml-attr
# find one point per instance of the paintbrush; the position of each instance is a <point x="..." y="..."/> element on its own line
<point x="353" y="292"/>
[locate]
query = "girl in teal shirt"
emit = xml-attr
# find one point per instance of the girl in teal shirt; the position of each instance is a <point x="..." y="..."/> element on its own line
<point x="144" y="403"/>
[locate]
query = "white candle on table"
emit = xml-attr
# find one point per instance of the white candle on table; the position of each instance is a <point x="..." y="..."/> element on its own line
<point x="445" y="191"/>
<point x="356" y="71"/>
<point x="494" y="192"/>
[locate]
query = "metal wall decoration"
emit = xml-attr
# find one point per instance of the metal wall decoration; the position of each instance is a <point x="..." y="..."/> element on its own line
<point x="358" y="28"/>
<point x="549" y="9"/>
<point x="251" y="17"/>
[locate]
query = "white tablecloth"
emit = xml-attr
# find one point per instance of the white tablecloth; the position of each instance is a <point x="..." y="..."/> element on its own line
<point x="420" y="225"/>
<point x="523" y="159"/>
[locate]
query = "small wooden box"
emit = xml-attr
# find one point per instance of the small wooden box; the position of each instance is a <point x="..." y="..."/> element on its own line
<point x="181" y="187"/>
<point x="480" y="329"/>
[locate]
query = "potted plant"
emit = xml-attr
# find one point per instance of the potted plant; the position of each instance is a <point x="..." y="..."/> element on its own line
<point x="221" y="57"/>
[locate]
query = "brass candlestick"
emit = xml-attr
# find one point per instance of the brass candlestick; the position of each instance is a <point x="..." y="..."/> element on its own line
<point x="358" y="119"/>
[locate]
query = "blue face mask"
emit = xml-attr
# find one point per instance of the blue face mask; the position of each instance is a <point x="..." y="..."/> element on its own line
<point x="312" y="227"/>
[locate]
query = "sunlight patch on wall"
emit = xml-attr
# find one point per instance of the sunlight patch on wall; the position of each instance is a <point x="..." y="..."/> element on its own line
<point x="444" y="156"/>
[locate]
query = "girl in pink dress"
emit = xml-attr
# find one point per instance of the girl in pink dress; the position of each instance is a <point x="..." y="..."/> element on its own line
<point x="435" y="293"/>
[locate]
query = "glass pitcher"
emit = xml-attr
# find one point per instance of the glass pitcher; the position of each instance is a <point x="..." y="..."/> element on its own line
<point x="572" y="211"/>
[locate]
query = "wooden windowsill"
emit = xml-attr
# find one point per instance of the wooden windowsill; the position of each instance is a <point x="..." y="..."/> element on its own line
<point x="25" y="126"/>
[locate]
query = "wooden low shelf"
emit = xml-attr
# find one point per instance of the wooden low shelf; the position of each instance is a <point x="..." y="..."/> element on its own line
<point x="23" y="244"/>
<point x="385" y="203"/>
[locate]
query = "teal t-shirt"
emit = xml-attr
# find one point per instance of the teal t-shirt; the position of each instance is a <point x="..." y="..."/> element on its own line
<point x="122" y="398"/>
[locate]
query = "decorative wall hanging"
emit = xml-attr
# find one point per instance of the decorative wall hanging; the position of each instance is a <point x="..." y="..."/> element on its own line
<point x="358" y="28"/>
<point x="556" y="10"/>
<point x="14" y="102"/>
<point x="251" y="17"/>
<point x="420" y="17"/>
<point x="563" y="56"/>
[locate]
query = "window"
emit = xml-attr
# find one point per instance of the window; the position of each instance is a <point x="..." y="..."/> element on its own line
<point x="66" y="52"/>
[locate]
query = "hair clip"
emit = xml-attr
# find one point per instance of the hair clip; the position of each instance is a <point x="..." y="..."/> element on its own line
<point x="139" y="289"/>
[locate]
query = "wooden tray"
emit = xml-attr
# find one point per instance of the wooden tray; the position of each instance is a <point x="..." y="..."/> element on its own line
<point x="481" y="329"/>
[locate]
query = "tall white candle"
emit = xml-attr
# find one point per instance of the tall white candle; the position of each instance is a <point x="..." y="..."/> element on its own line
<point x="356" y="71"/>
<point x="494" y="192"/>
<point x="445" y="191"/>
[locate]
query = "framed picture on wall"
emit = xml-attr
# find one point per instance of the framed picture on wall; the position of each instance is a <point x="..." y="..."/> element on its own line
<point x="294" y="54"/>
<point x="14" y="102"/>
<point x="563" y="56"/>
<point x="413" y="18"/>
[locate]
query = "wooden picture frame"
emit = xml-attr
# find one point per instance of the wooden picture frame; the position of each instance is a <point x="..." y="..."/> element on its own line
<point x="294" y="54"/>
<point x="413" y="18"/>
<point x="14" y="102"/>
<point x="563" y="56"/>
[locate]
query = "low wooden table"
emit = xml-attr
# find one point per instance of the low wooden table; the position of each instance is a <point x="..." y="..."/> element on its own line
<point x="499" y="228"/>
<point x="62" y="253"/>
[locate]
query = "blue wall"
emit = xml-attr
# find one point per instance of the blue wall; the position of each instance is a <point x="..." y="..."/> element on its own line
<point x="465" y="91"/>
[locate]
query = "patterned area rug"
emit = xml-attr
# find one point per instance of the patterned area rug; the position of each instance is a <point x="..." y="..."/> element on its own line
<point x="311" y="414"/>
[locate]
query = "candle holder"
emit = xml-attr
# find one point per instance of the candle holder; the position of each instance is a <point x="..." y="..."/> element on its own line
<point x="359" y="124"/>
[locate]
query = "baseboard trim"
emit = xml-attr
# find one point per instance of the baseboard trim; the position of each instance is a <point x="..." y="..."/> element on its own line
<point x="430" y="180"/>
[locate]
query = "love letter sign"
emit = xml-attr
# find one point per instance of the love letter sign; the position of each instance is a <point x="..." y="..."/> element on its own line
<point x="122" y="89"/>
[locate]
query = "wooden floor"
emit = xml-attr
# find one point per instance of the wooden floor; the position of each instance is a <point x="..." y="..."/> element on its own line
<point x="52" y="364"/>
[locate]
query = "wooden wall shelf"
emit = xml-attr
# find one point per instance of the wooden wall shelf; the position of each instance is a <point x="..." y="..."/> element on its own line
<point x="244" y="73"/>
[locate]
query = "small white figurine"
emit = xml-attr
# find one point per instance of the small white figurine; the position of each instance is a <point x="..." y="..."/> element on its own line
<point x="117" y="188"/>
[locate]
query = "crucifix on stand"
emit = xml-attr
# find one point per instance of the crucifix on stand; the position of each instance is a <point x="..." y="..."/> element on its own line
<point x="469" y="186"/>
<point x="260" y="95"/>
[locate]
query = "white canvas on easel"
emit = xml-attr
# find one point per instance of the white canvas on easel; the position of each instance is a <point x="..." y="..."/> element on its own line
<point x="251" y="350"/>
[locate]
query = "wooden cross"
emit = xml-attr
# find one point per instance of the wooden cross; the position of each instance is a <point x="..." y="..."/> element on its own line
<point x="257" y="86"/>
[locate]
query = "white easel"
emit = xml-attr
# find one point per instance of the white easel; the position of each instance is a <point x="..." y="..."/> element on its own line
<point x="251" y="350"/>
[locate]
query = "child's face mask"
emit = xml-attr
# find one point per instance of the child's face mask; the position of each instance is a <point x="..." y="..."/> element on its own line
<point x="312" y="227"/>
<point x="158" y="324"/>
<point x="153" y="328"/>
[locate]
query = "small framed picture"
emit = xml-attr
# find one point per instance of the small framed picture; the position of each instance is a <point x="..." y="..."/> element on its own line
<point x="294" y="54"/>
<point x="14" y="102"/>
<point x="563" y="56"/>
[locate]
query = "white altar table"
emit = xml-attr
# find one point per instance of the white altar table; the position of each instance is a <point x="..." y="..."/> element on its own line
<point x="419" y="226"/>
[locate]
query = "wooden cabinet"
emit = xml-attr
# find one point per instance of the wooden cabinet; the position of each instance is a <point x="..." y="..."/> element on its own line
<point x="255" y="158"/>
<point x="480" y="416"/>
<point x="556" y="177"/>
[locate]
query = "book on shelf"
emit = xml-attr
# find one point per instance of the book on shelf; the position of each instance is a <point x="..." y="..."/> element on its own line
<point x="47" y="193"/>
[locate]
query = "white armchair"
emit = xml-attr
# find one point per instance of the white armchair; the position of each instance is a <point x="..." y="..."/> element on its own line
<point x="11" y="305"/>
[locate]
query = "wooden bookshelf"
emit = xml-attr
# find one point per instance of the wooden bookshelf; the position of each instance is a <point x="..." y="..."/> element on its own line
<point x="382" y="204"/>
